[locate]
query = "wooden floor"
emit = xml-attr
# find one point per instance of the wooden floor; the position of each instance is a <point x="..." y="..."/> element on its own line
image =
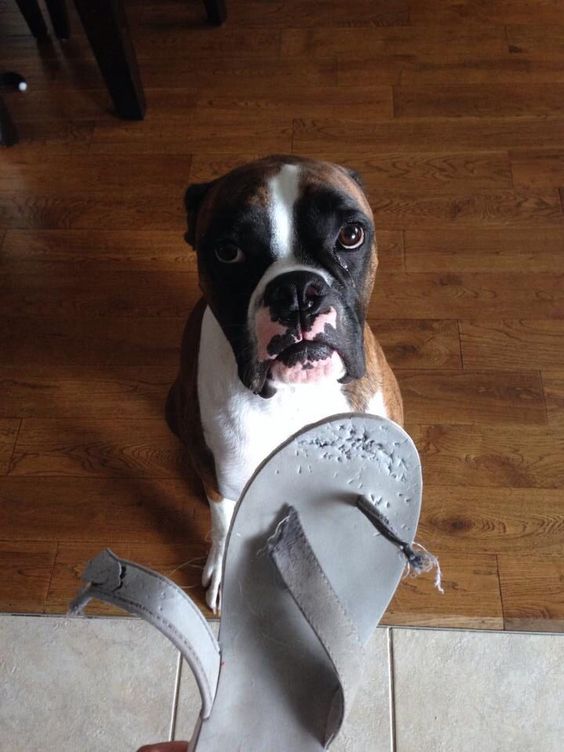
<point x="454" y="114"/>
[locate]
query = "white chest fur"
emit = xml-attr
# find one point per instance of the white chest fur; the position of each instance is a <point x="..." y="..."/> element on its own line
<point x="241" y="428"/>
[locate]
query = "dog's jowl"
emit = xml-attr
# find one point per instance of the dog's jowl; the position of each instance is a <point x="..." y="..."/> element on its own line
<point x="286" y="259"/>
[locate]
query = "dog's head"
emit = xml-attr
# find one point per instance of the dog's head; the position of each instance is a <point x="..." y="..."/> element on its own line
<point x="286" y="257"/>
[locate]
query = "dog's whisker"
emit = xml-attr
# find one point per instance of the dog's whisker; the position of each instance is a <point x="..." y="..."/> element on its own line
<point x="189" y="563"/>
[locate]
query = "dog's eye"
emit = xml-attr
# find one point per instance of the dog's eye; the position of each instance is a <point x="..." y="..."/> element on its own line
<point x="351" y="236"/>
<point x="229" y="253"/>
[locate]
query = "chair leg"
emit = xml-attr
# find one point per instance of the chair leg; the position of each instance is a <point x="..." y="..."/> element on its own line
<point x="34" y="18"/>
<point x="8" y="132"/>
<point x="59" y="15"/>
<point x="216" y="10"/>
<point x="106" y="27"/>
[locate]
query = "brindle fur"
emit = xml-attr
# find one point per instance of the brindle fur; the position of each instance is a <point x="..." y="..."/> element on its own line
<point x="378" y="377"/>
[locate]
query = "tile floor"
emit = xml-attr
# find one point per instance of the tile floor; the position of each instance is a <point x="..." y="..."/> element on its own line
<point x="100" y="684"/>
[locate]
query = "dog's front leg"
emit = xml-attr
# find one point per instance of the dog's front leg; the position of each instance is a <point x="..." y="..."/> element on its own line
<point x="221" y="514"/>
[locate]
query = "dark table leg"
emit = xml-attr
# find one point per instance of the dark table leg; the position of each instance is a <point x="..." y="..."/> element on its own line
<point x="59" y="18"/>
<point x="216" y="10"/>
<point x="107" y="30"/>
<point x="34" y="18"/>
<point x="8" y="132"/>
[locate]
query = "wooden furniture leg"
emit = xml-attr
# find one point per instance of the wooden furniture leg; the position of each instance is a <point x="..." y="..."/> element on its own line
<point x="8" y="131"/>
<point x="106" y="27"/>
<point x="31" y="11"/>
<point x="59" y="15"/>
<point x="216" y="10"/>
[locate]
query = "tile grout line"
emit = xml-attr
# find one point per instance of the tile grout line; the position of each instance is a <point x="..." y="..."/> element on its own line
<point x="391" y="690"/>
<point x="174" y="711"/>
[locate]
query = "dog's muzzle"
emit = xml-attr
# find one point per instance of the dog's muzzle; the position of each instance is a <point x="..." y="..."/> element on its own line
<point x="297" y="329"/>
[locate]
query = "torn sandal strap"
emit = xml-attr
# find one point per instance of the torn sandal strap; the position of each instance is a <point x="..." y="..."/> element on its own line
<point x="163" y="604"/>
<point x="417" y="562"/>
<point x="320" y="605"/>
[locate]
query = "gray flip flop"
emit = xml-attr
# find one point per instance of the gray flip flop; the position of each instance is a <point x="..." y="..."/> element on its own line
<point x="319" y="541"/>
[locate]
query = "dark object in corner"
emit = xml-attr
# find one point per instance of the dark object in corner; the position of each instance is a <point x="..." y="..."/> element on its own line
<point x="106" y="27"/>
<point x="8" y="132"/>
<point x="58" y="13"/>
<point x="217" y="11"/>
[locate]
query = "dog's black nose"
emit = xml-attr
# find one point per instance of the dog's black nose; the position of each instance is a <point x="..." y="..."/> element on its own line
<point x="296" y="296"/>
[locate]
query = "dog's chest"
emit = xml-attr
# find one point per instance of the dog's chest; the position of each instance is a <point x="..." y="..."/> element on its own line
<point x="241" y="428"/>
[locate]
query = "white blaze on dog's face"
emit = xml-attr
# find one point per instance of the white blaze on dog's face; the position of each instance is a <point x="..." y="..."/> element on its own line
<point x="284" y="189"/>
<point x="279" y="306"/>
<point x="287" y="258"/>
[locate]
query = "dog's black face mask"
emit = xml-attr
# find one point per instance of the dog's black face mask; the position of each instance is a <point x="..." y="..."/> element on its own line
<point x="286" y="257"/>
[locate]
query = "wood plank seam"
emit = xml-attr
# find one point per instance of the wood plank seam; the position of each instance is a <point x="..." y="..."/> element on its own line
<point x="403" y="260"/>
<point x="52" y="574"/>
<point x="500" y="590"/>
<point x="541" y="379"/>
<point x="13" y="453"/>
<point x="460" y="344"/>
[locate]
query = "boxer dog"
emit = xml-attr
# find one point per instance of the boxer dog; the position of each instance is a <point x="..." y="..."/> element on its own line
<point x="286" y="259"/>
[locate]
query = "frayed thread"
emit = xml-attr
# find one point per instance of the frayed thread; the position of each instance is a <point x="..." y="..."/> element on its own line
<point x="80" y="601"/>
<point x="419" y="560"/>
<point x="274" y="538"/>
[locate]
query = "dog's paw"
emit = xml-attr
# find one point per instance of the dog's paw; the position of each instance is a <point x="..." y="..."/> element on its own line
<point x="211" y="576"/>
<point x="221" y="514"/>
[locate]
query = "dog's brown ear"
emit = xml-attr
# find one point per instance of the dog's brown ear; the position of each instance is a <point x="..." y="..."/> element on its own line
<point x="355" y="176"/>
<point x="192" y="201"/>
<point x="352" y="174"/>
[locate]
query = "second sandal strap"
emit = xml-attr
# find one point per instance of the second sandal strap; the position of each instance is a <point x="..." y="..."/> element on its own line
<point x="163" y="604"/>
